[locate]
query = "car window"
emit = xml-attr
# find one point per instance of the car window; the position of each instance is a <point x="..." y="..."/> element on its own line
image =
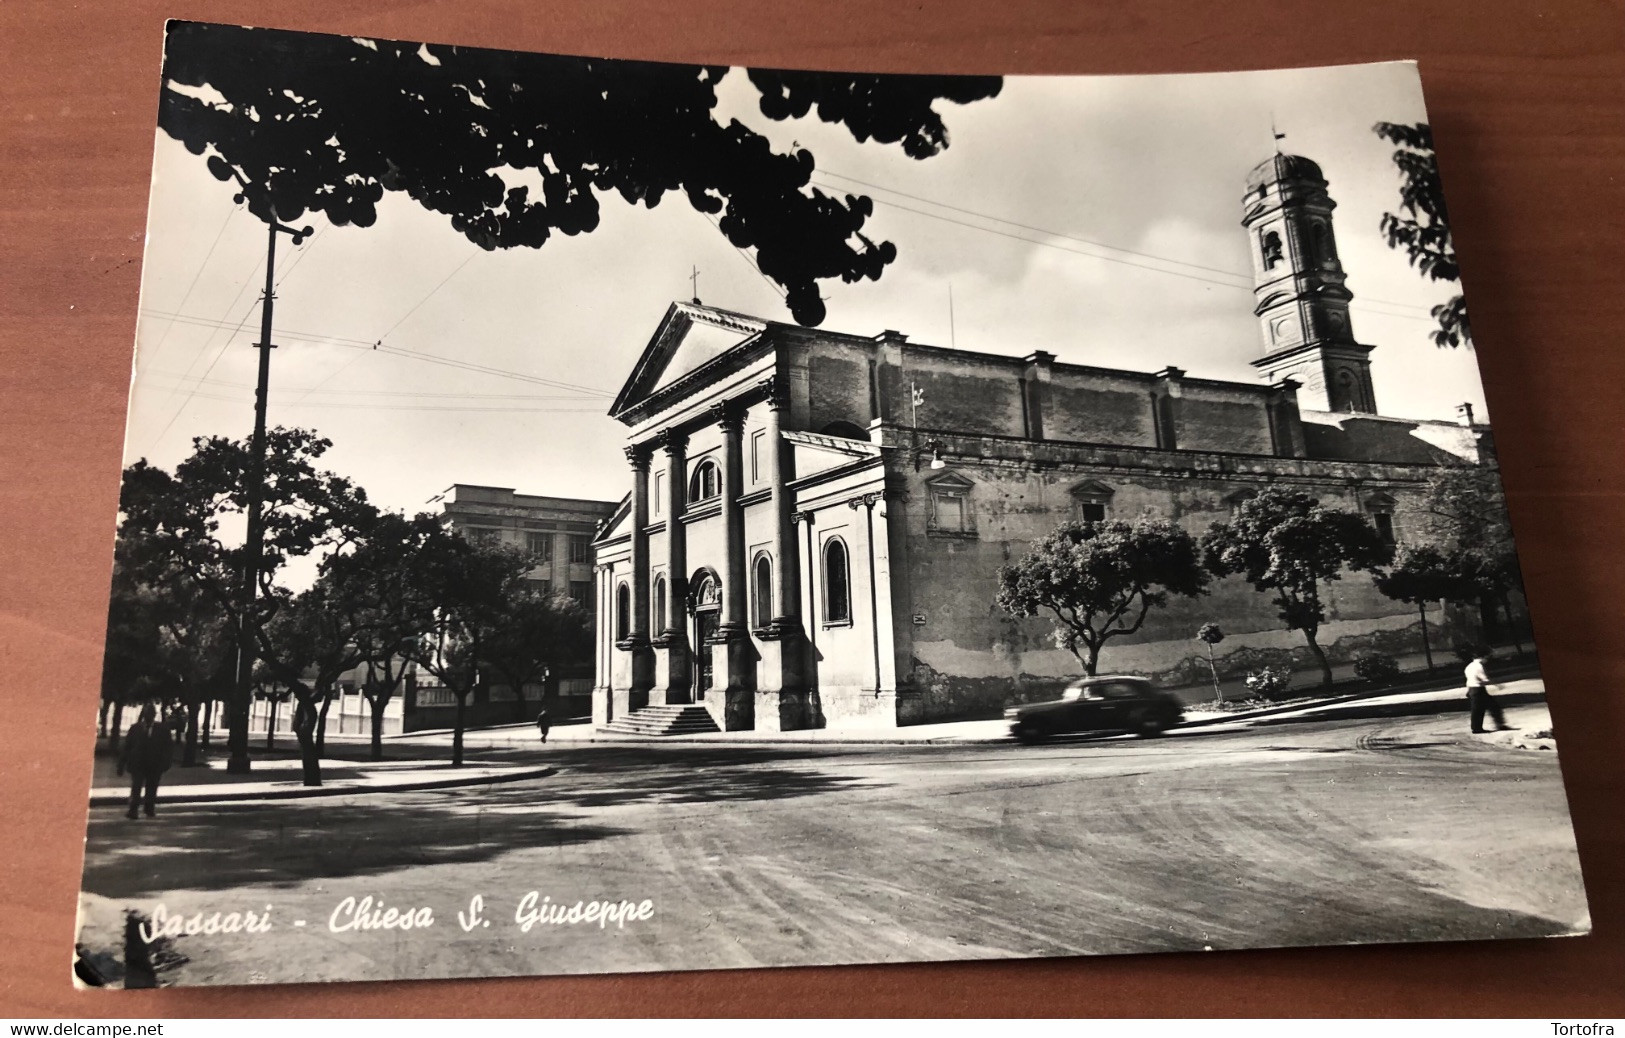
<point x="1117" y="690"/>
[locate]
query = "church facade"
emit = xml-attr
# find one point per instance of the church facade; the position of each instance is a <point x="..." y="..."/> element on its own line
<point x="817" y="520"/>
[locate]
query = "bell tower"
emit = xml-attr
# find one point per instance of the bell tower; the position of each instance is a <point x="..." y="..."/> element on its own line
<point x="1302" y="304"/>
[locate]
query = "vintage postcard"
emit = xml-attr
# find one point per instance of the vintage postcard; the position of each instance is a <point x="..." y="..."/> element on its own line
<point x="585" y="515"/>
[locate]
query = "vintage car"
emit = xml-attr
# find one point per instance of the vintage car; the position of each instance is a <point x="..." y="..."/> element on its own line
<point x="1113" y="703"/>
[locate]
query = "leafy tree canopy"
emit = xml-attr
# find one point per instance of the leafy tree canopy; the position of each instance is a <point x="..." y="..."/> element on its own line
<point x="307" y="122"/>
<point x="1284" y="542"/>
<point x="1099" y="580"/>
<point x="1421" y="228"/>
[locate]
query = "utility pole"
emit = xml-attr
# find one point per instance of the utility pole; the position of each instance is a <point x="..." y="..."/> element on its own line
<point x="253" y="539"/>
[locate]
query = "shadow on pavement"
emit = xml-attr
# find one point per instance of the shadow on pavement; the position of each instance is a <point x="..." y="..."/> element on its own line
<point x="285" y="843"/>
<point x="1368" y="711"/>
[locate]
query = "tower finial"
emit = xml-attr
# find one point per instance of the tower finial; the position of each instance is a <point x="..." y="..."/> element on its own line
<point x="694" y="282"/>
<point x="1277" y="134"/>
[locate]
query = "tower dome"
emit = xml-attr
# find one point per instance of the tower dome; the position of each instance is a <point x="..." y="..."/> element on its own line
<point x="1280" y="167"/>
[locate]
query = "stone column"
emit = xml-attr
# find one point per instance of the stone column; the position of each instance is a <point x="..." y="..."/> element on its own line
<point x="637" y="640"/>
<point x="781" y="689"/>
<point x="733" y="635"/>
<point x="673" y="679"/>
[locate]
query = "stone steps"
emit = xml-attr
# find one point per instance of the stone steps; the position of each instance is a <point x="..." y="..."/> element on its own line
<point x="655" y="721"/>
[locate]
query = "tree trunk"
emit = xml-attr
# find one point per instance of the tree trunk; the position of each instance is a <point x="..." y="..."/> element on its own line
<point x="457" y="732"/>
<point x="270" y="728"/>
<point x="1213" y="667"/>
<point x="208" y="722"/>
<point x="101" y="718"/>
<point x="1320" y="654"/>
<point x="1512" y="628"/>
<point x="1427" y="649"/>
<point x="321" y="728"/>
<point x="189" y="752"/>
<point x="118" y="726"/>
<point x="520" y="711"/>
<point x="378" y="705"/>
<point x="304" y="729"/>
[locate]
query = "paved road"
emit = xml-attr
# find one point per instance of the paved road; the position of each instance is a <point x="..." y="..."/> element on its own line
<point x="1375" y="823"/>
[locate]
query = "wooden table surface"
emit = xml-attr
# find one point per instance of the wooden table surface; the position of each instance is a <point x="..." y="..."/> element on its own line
<point x="1528" y="110"/>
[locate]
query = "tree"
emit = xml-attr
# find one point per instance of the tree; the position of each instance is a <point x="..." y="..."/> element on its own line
<point x="179" y="518"/>
<point x="537" y="632"/>
<point x="1211" y="634"/>
<point x="468" y="589"/>
<point x="513" y="147"/>
<point x="309" y="645"/>
<point x="1283" y="542"/>
<point x="1098" y="581"/>
<point x="1465" y="508"/>
<point x="1423" y="574"/>
<point x="1422" y="227"/>
<point x="378" y="572"/>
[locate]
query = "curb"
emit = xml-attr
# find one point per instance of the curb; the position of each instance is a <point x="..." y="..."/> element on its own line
<point x="101" y="799"/>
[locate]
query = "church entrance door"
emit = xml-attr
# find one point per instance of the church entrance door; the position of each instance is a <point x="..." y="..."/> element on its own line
<point x="705" y="625"/>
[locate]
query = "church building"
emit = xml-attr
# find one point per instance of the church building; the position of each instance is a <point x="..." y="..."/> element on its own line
<point x="817" y="520"/>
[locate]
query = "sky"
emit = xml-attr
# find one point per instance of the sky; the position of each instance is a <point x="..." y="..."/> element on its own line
<point x="1097" y="218"/>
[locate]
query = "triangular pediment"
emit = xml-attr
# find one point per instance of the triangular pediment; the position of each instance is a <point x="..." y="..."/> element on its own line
<point x="690" y="336"/>
<point x="950" y="480"/>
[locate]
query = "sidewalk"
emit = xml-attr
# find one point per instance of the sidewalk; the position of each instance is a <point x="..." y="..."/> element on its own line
<point x="523" y="736"/>
<point x="274" y="779"/>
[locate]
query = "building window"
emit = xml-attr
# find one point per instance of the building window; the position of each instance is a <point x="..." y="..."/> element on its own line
<point x="1381" y="509"/>
<point x="543" y="588"/>
<point x="580" y="548"/>
<point x="483" y="535"/>
<point x="707" y="482"/>
<point x="950" y="506"/>
<point x="623" y="613"/>
<point x="660" y="604"/>
<point x="655" y="489"/>
<point x="581" y="592"/>
<point x="762" y="592"/>
<point x="758" y="441"/>
<point x="540" y="545"/>
<point x="1270" y="246"/>
<point x="1091" y="501"/>
<point x="1321" y="236"/>
<point x="837" y="584"/>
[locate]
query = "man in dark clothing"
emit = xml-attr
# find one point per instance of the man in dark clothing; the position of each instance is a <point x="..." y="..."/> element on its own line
<point x="146" y="756"/>
<point x="543" y="723"/>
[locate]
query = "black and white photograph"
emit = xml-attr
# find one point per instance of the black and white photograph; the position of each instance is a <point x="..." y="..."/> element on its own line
<point x="596" y="516"/>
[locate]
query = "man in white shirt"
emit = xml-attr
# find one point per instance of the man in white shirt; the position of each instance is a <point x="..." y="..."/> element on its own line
<point x="1479" y="698"/>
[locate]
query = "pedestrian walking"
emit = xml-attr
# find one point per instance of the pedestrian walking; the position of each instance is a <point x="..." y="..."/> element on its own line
<point x="543" y="724"/>
<point x="146" y="756"/>
<point x="1479" y="699"/>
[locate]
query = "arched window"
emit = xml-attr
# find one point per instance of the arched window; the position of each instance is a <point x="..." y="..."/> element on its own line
<point x="1270" y="246"/>
<point x="706" y="482"/>
<point x="623" y="612"/>
<point x="846" y="430"/>
<point x="762" y="592"/>
<point x="837" y="585"/>
<point x="1321" y="237"/>
<point x="660" y="604"/>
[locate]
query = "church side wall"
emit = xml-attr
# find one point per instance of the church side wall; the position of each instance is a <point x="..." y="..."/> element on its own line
<point x="969" y="658"/>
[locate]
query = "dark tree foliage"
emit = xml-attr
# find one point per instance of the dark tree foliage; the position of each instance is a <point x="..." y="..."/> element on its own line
<point x="1098" y="581"/>
<point x="1423" y="574"/>
<point x="536" y="633"/>
<point x="1422" y="226"/>
<point x="306" y="122"/>
<point x="465" y="592"/>
<point x="1283" y="542"/>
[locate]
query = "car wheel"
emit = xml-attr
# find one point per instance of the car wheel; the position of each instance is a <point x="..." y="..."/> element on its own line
<point x="1029" y="732"/>
<point x="1146" y="725"/>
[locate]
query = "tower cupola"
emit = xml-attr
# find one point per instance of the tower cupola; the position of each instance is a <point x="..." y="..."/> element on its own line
<point x="1300" y="298"/>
